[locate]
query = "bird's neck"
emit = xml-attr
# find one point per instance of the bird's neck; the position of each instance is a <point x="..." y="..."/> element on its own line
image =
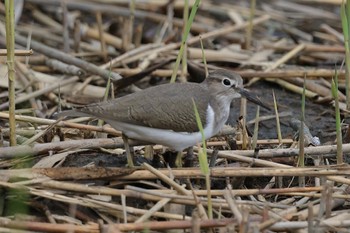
<point x="221" y="106"/>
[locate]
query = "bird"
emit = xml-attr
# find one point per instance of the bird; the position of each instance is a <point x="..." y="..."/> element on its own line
<point x="164" y="114"/>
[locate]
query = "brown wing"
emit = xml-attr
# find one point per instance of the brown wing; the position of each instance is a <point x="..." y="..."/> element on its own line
<point x="156" y="107"/>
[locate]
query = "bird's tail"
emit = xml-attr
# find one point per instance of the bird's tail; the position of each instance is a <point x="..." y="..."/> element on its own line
<point x="72" y="113"/>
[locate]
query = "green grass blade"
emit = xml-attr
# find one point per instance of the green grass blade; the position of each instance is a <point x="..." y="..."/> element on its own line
<point x="184" y="39"/>
<point x="347" y="13"/>
<point x="184" y="55"/>
<point x="344" y="21"/>
<point x="203" y="160"/>
<point x="203" y="57"/>
<point x="345" y="17"/>
<point x="202" y="154"/>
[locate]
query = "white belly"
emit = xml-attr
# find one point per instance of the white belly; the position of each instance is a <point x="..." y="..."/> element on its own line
<point x="175" y="140"/>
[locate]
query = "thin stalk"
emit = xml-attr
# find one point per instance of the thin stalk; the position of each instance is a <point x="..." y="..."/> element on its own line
<point x="337" y="119"/>
<point x="184" y="56"/>
<point x="243" y="122"/>
<point x="278" y="125"/>
<point x="131" y="21"/>
<point x="184" y="39"/>
<point x="10" y="46"/>
<point x="14" y="206"/>
<point x="106" y="94"/>
<point x="250" y="26"/>
<point x="256" y="128"/>
<point x="301" y="162"/>
<point x="28" y="45"/>
<point x="101" y="35"/>
<point x="210" y="203"/>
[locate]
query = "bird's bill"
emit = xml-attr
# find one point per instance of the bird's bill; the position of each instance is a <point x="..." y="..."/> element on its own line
<point x="252" y="97"/>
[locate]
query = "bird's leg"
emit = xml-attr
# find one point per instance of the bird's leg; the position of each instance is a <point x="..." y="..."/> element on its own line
<point x="178" y="161"/>
<point x="129" y="151"/>
<point x="170" y="157"/>
<point x="188" y="161"/>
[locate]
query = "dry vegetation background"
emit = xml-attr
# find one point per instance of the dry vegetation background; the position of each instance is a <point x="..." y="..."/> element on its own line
<point x="70" y="175"/>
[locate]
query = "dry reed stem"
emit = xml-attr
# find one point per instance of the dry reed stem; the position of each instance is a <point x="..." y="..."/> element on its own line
<point x="176" y="186"/>
<point x="309" y="47"/>
<point x="37" y="93"/>
<point x="276" y="169"/>
<point x="18" y="52"/>
<point x="157" y="195"/>
<point x="286" y="74"/>
<point x="94" y="228"/>
<point x="291" y="73"/>
<point x="36" y="120"/>
<point x="270" y="153"/>
<point x="233" y="206"/>
<point x="158" y="206"/>
<point x="208" y="35"/>
<point x="67" y="58"/>
<point x="287" y="56"/>
<point x="115" y="143"/>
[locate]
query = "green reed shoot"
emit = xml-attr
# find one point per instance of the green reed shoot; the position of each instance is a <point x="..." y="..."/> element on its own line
<point x="184" y="39"/>
<point x="203" y="56"/>
<point x="345" y="18"/>
<point x="10" y="46"/>
<point x="203" y="160"/>
<point x="337" y="118"/>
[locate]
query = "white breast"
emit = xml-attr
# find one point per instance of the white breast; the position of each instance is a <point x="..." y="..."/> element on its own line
<point x="175" y="140"/>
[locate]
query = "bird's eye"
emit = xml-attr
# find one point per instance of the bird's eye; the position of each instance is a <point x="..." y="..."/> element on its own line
<point x="226" y="82"/>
